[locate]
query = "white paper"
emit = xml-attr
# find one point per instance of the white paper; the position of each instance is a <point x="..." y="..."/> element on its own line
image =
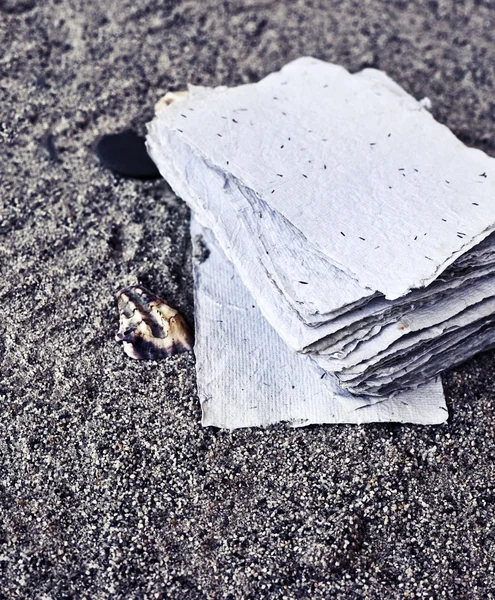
<point x="248" y="377"/>
<point x="423" y="323"/>
<point x="323" y="291"/>
<point x="394" y="176"/>
<point x="406" y="351"/>
<point x="434" y="358"/>
<point x="208" y="194"/>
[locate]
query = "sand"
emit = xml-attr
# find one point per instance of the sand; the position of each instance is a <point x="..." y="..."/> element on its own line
<point x="109" y="486"/>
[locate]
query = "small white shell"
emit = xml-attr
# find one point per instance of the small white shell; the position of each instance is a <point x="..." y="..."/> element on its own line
<point x="169" y="98"/>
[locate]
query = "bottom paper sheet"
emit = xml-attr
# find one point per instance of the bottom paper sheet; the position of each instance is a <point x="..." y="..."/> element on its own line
<point x="248" y="377"/>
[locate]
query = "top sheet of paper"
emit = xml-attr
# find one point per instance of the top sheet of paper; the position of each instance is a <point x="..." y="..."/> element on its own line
<point x="355" y="163"/>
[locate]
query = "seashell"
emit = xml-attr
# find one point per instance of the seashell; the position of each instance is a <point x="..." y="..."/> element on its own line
<point x="169" y="98"/>
<point x="150" y="329"/>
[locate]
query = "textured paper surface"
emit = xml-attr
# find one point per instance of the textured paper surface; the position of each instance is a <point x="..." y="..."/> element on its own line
<point x="208" y="194"/>
<point x="457" y="309"/>
<point x="322" y="292"/>
<point x="395" y="195"/>
<point x="248" y="377"/>
<point x="207" y="191"/>
<point x="429" y="358"/>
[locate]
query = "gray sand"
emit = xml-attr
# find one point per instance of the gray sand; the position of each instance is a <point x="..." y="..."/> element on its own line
<point x="109" y="486"/>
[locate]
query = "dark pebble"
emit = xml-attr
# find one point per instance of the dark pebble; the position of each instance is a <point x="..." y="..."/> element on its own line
<point x="50" y="148"/>
<point x="16" y="7"/>
<point x="125" y="153"/>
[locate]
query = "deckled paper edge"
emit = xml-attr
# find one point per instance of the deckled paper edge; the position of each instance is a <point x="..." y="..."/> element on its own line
<point x="351" y="410"/>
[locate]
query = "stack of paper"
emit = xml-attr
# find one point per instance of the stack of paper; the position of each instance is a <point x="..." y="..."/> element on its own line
<point x="360" y="225"/>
